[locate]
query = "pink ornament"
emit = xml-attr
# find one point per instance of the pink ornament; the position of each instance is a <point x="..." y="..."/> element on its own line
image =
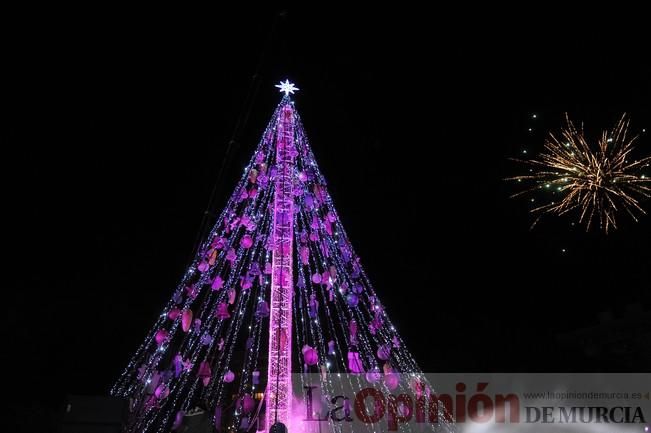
<point x="392" y="380"/>
<point x="310" y="356"/>
<point x="302" y="176"/>
<point x="231" y="255"/>
<point x="178" y="420"/>
<point x="205" y="372"/>
<point x="173" y="313"/>
<point x="186" y="320"/>
<point x="229" y="376"/>
<point x="316" y="278"/>
<point x="191" y="291"/>
<point x="161" y="336"/>
<point x="217" y="283"/>
<point x="374" y="375"/>
<point x="203" y="266"/>
<point x="222" y="311"/>
<point x="162" y="391"/>
<point x="247" y="403"/>
<point x="247" y="241"/>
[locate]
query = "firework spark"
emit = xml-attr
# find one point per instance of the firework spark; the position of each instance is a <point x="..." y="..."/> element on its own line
<point x="598" y="181"/>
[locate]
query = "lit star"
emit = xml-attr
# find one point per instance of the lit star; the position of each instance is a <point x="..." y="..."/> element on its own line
<point x="287" y="87"/>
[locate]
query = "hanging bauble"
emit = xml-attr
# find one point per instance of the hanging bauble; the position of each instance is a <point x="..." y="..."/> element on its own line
<point x="313" y="307"/>
<point x="392" y="380"/>
<point x="333" y="271"/>
<point x="197" y="326"/>
<point x="247" y="241"/>
<point x="352" y="299"/>
<point x="302" y="176"/>
<point x="232" y="293"/>
<point x="358" y="288"/>
<point x="186" y="320"/>
<point x="161" y="336"/>
<point x="177" y="297"/>
<point x="222" y="311"/>
<point x="178" y="420"/>
<point x="396" y="342"/>
<point x="173" y="313"/>
<point x="355" y="363"/>
<point x="218" y="243"/>
<point x="247" y="403"/>
<point x="206" y="339"/>
<point x="255" y="269"/>
<point x="253" y="192"/>
<point x="316" y="278"/>
<point x="246" y="282"/>
<point x="253" y="175"/>
<point x="229" y="376"/>
<point x="162" y="391"/>
<point x="384" y="352"/>
<point x="217" y="283"/>
<point x="262" y="310"/>
<point x="268" y="268"/>
<point x="178" y="365"/>
<point x="231" y="255"/>
<point x="217" y="418"/>
<point x="304" y="252"/>
<point x="374" y="375"/>
<point x="203" y="266"/>
<point x="205" y="372"/>
<point x="212" y="257"/>
<point x="191" y="291"/>
<point x="255" y="377"/>
<point x="310" y="355"/>
<point x="403" y="410"/>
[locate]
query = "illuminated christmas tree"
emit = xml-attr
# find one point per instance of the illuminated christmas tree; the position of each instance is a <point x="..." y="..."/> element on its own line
<point x="276" y="288"/>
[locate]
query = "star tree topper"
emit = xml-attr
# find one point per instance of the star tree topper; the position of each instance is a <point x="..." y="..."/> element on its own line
<point x="287" y="87"/>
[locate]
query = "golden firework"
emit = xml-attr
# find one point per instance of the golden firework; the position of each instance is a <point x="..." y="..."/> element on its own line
<point x="599" y="181"/>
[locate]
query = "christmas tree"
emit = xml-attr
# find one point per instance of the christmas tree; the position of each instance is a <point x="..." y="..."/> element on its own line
<point x="275" y="292"/>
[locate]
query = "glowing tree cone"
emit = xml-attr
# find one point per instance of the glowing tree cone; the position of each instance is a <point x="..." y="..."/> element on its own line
<point x="246" y="307"/>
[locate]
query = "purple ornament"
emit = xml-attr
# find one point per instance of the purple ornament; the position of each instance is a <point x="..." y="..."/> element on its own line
<point x="217" y="283"/>
<point x="374" y="375"/>
<point x="178" y="420"/>
<point x="352" y="299"/>
<point x="229" y="376"/>
<point x="162" y="391"/>
<point x="384" y="352"/>
<point x="247" y="403"/>
<point x="247" y="241"/>
<point x="206" y="339"/>
<point x="355" y="363"/>
<point x="310" y="356"/>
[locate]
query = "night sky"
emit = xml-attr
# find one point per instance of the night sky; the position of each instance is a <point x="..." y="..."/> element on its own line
<point x="116" y="126"/>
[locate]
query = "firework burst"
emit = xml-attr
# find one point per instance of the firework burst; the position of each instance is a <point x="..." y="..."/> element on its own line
<point x="598" y="181"/>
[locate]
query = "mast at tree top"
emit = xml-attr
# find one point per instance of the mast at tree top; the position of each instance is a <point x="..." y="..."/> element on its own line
<point x="279" y="386"/>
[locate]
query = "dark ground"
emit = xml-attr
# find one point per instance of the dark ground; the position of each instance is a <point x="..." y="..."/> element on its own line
<point x="116" y="124"/>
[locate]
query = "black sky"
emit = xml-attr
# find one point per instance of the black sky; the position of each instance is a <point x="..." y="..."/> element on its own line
<point x="116" y="123"/>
